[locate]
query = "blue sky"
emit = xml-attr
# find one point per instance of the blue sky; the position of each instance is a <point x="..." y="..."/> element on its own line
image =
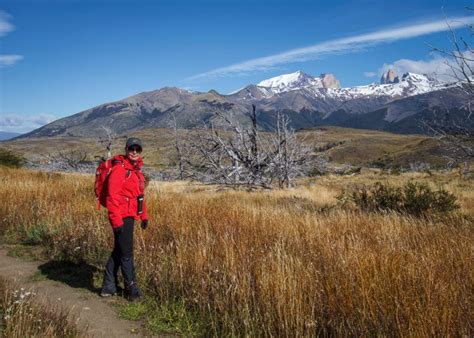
<point x="60" y="57"/>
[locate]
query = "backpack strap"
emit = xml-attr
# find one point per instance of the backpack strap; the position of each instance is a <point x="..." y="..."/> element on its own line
<point x="129" y="172"/>
<point x="114" y="162"/>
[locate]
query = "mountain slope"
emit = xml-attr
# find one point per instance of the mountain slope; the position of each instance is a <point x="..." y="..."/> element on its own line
<point x="144" y="110"/>
<point x="308" y="101"/>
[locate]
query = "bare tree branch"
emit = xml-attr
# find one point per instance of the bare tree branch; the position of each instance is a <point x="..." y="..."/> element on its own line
<point x="107" y="140"/>
<point x="455" y="131"/>
<point x="243" y="157"/>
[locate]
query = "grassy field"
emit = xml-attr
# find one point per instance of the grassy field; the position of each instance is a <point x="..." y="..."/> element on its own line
<point x="272" y="263"/>
<point x="353" y="146"/>
<point x="24" y="314"/>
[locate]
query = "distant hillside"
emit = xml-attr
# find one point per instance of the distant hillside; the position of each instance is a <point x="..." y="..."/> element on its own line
<point x="339" y="145"/>
<point x="5" y="135"/>
<point x="398" y="104"/>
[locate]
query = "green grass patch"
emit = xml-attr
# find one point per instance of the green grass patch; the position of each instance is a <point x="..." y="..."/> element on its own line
<point x="38" y="276"/>
<point x="132" y="311"/>
<point x="167" y="318"/>
<point x="25" y="252"/>
<point x="175" y="318"/>
<point x="35" y="234"/>
<point x="30" y="235"/>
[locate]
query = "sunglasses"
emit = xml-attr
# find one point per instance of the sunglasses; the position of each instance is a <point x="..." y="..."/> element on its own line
<point x="135" y="148"/>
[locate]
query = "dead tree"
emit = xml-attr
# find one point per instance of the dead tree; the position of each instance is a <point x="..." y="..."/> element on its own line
<point x="456" y="134"/>
<point x="254" y="133"/>
<point x="106" y="140"/>
<point x="178" y="145"/>
<point x="242" y="156"/>
<point x="292" y="156"/>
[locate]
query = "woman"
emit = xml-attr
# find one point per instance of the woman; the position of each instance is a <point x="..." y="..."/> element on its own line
<point x="125" y="204"/>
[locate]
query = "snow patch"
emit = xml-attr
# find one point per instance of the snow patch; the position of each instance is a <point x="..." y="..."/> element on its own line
<point x="289" y="82"/>
<point x="410" y="84"/>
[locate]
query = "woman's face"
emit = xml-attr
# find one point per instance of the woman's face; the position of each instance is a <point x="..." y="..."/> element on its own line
<point x="133" y="152"/>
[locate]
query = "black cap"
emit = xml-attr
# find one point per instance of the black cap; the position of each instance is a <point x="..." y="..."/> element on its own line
<point x="133" y="141"/>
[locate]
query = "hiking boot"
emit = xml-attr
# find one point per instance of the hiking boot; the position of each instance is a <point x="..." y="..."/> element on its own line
<point x="108" y="291"/>
<point x="132" y="292"/>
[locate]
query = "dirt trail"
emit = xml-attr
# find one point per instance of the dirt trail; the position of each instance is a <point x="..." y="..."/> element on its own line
<point x="91" y="312"/>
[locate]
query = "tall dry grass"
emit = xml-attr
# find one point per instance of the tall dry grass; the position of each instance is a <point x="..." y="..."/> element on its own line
<point x="24" y="314"/>
<point x="283" y="263"/>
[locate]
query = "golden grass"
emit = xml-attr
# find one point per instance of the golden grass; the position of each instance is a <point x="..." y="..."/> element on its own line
<point x="280" y="263"/>
<point x="25" y="314"/>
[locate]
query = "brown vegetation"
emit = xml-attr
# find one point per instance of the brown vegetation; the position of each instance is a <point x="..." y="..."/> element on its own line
<point x="341" y="145"/>
<point x="280" y="263"/>
<point x="23" y="314"/>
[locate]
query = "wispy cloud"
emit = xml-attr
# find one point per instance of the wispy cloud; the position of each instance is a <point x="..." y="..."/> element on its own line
<point x="370" y="74"/>
<point x="444" y="69"/>
<point x="24" y="123"/>
<point x="337" y="46"/>
<point x="9" y="60"/>
<point x="5" y="28"/>
<point x="5" y="25"/>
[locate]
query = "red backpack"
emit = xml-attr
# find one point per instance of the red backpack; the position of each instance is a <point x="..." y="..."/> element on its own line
<point x="101" y="174"/>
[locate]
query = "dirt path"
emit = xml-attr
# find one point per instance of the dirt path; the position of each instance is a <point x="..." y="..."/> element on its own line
<point x="91" y="312"/>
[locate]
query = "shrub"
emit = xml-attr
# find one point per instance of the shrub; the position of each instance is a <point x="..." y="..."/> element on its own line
<point x="9" y="159"/>
<point x="413" y="198"/>
<point x="36" y="234"/>
<point x="395" y="171"/>
<point x="316" y="172"/>
<point x="419" y="198"/>
<point x="378" y="197"/>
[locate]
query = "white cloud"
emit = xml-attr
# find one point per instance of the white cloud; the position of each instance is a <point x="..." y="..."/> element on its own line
<point x="5" y="25"/>
<point x="10" y="121"/>
<point x="435" y="66"/>
<point x="24" y="123"/>
<point x="370" y="74"/>
<point x="337" y="46"/>
<point x="43" y="119"/>
<point x="5" y="28"/>
<point x="9" y="60"/>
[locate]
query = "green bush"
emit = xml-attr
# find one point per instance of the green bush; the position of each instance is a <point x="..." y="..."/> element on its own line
<point x="315" y="172"/>
<point x="419" y="198"/>
<point x="9" y="159"/>
<point x="395" y="171"/>
<point x="36" y="234"/>
<point x="413" y="198"/>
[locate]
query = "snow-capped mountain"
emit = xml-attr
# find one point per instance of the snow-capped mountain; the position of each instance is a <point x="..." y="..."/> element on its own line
<point x="410" y="84"/>
<point x="296" y="81"/>
<point x="327" y="86"/>
<point x="398" y="104"/>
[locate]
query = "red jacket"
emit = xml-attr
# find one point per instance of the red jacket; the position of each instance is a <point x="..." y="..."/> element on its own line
<point x="125" y="183"/>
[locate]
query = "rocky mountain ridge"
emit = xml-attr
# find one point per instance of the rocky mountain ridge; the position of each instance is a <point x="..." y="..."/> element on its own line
<point x="308" y="101"/>
<point x="326" y="85"/>
<point x="298" y="80"/>
<point x="389" y="77"/>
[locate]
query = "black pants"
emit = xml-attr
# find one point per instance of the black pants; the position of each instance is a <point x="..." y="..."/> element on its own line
<point x="121" y="257"/>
